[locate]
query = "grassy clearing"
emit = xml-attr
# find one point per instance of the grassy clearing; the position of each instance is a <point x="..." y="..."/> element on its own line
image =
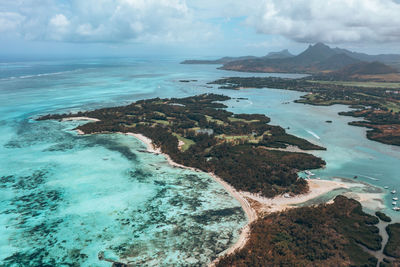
<point x="211" y="119"/>
<point x="187" y="142"/>
<point x="392" y="106"/>
<point x="232" y="119"/>
<point x="361" y="84"/>
<point x="162" y="122"/>
<point x="159" y="113"/>
<point x="245" y="138"/>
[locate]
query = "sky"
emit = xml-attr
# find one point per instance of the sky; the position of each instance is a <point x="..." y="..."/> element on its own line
<point x="195" y="28"/>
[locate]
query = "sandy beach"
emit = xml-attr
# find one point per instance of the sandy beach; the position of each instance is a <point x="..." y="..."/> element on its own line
<point x="80" y="119"/>
<point x="80" y="132"/>
<point x="254" y="204"/>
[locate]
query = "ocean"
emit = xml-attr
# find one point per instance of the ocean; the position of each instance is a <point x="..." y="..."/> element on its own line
<point x="67" y="199"/>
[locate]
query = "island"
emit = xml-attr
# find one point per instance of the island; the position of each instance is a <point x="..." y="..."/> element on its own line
<point x="242" y="149"/>
<point x="377" y="103"/>
<point x="258" y="164"/>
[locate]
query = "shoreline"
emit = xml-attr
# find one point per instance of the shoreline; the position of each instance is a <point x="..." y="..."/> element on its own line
<point x="253" y="204"/>
<point x="79" y="119"/>
<point x="276" y="204"/>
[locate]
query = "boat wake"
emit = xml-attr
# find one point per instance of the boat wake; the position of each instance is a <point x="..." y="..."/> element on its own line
<point x="369" y="177"/>
<point x="313" y="134"/>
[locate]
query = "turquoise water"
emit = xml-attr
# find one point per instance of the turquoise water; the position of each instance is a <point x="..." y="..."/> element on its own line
<point x="66" y="198"/>
<point x="349" y="153"/>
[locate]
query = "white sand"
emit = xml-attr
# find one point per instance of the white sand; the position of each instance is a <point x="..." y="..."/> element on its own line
<point x="280" y="203"/>
<point x="80" y="119"/>
<point x="289" y="148"/>
<point x="80" y="132"/>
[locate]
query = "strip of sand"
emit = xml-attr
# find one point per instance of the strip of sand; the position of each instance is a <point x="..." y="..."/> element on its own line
<point x="80" y="119"/>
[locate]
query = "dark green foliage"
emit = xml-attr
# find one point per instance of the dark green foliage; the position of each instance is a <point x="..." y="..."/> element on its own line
<point x="383" y="216"/>
<point x="309" y="236"/>
<point x="392" y="247"/>
<point x="234" y="146"/>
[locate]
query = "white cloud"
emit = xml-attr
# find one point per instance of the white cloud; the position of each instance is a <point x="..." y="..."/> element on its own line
<point x="224" y="8"/>
<point x="10" y="21"/>
<point x="331" y="21"/>
<point x="194" y="21"/>
<point x="59" y="21"/>
<point x="105" y="20"/>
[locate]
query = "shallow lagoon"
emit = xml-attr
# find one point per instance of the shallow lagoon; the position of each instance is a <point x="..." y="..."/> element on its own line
<point x="66" y="198"/>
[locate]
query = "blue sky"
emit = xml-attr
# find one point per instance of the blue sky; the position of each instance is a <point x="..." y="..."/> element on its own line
<point x="198" y="28"/>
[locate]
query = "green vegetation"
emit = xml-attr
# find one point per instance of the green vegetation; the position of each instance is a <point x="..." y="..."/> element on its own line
<point x="392" y="247"/>
<point x="198" y="132"/>
<point x="326" y="235"/>
<point x="186" y="142"/>
<point x="383" y="216"/>
<point x="380" y="107"/>
<point x="361" y="84"/>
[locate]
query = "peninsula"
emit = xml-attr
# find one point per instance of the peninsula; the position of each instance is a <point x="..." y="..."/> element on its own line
<point x="198" y="132"/>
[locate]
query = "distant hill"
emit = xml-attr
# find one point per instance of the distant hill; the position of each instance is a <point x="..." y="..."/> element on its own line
<point x="223" y="60"/>
<point x="281" y="54"/>
<point x="273" y="55"/>
<point x="368" y="68"/>
<point x="385" y="58"/>
<point x="359" y="71"/>
<point x="314" y="59"/>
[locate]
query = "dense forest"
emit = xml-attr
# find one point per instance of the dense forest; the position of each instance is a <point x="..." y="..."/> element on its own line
<point x="198" y="132"/>
<point x="325" y="235"/>
<point x="392" y="247"/>
<point x="380" y="107"/>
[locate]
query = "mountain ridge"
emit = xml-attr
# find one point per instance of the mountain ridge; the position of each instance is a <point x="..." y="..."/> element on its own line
<point x="224" y="60"/>
<point x="316" y="59"/>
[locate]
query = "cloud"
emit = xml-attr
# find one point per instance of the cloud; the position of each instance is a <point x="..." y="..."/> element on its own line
<point x="10" y="21"/>
<point x="104" y="20"/>
<point x="224" y="8"/>
<point x="331" y="21"/>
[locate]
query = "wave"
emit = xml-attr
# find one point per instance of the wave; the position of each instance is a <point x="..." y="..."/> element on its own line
<point x="313" y="134"/>
<point x="39" y="75"/>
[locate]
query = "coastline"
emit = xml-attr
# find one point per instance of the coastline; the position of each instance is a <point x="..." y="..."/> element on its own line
<point x="254" y="205"/>
<point x="80" y="119"/>
<point x="250" y="212"/>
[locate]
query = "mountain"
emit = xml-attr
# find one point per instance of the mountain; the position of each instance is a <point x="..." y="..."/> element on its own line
<point x="368" y="68"/>
<point x="360" y="71"/>
<point x="336" y="61"/>
<point x="314" y="59"/>
<point x="223" y="60"/>
<point x="385" y="58"/>
<point x="318" y="52"/>
<point x="272" y="55"/>
<point x="281" y="54"/>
